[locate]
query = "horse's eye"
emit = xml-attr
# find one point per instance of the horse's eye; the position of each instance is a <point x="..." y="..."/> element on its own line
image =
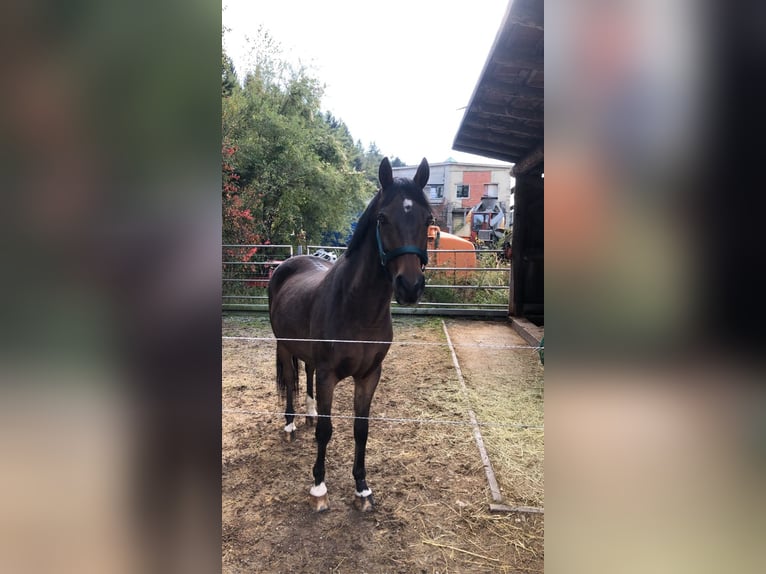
<point x="382" y="218"/>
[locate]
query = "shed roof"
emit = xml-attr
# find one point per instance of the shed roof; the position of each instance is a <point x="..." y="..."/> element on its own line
<point x="504" y="118"/>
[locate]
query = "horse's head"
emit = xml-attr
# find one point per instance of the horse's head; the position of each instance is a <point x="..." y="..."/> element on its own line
<point x="402" y="231"/>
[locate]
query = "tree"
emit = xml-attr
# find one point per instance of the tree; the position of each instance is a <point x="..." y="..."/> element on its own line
<point x="239" y="225"/>
<point x="295" y="169"/>
<point x="371" y="159"/>
<point x="228" y="76"/>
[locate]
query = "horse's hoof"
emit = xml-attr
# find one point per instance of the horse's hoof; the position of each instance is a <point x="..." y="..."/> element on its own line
<point x="290" y="432"/>
<point x="364" y="503"/>
<point x="320" y="503"/>
<point x="319" y="497"/>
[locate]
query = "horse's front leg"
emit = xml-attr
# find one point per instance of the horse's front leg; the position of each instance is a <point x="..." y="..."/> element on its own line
<point x="364" y="389"/>
<point x="325" y="386"/>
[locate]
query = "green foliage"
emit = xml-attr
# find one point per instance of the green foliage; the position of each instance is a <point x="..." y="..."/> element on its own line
<point x="298" y="170"/>
<point x="228" y="76"/>
<point x="369" y="161"/>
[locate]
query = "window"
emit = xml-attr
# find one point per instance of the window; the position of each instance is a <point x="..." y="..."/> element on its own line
<point x="462" y="190"/>
<point x="434" y="191"/>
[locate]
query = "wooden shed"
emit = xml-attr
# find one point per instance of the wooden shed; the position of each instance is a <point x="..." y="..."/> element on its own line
<point x="504" y="120"/>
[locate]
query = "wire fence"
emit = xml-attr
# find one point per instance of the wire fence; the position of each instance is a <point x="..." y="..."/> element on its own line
<point x="519" y="429"/>
<point x="449" y="344"/>
<point x="392" y="342"/>
<point x="400" y="420"/>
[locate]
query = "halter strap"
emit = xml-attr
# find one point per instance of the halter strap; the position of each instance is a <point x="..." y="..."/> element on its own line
<point x="386" y="257"/>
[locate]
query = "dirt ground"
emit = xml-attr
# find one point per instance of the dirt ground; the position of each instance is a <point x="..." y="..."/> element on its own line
<point x="430" y="488"/>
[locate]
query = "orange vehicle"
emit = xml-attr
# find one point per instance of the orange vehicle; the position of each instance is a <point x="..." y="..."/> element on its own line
<point x="447" y="250"/>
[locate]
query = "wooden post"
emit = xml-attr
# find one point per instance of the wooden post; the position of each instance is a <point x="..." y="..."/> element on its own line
<point x="529" y="162"/>
<point x="526" y="243"/>
<point x="516" y="291"/>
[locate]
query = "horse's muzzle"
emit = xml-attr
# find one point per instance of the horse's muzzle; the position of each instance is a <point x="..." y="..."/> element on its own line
<point x="407" y="292"/>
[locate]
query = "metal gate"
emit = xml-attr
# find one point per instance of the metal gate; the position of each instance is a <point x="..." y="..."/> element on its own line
<point x="469" y="291"/>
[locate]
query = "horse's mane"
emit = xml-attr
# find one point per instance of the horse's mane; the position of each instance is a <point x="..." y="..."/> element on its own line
<point x="361" y="226"/>
<point x="367" y="220"/>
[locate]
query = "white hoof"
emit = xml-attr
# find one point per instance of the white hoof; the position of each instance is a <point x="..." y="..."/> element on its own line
<point x="319" y="500"/>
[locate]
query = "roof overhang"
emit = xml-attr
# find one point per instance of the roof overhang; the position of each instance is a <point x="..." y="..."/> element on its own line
<point x="504" y="118"/>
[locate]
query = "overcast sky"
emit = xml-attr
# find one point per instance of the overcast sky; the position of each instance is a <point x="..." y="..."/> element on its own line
<point x="398" y="73"/>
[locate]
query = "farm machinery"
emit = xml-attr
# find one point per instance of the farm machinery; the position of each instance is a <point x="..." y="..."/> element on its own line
<point x="487" y="222"/>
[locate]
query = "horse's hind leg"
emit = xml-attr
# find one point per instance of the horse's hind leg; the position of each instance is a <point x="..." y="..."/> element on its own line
<point x="311" y="405"/>
<point x="324" y="390"/>
<point x="287" y="383"/>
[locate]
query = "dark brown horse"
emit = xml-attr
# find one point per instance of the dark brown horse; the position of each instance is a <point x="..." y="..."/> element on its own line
<point x="310" y="298"/>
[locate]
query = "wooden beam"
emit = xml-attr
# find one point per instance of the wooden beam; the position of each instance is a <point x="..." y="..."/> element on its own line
<point x="499" y="130"/>
<point x="514" y="147"/>
<point x="508" y="111"/>
<point x="508" y="89"/>
<point x="530" y="22"/>
<point x="502" y="155"/>
<point x="518" y="240"/>
<point x="530" y="332"/>
<point x="506" y="508"/>
<point x="511" y="283"/>
<point x="530" y="161"/>
<point x="515" y="138"/>
<point x="529" y="14"/>
<point x="534" y="62"/>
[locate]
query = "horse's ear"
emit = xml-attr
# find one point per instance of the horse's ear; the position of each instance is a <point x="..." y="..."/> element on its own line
<point x="421" y="176"/>
<point x="385" y="175"/>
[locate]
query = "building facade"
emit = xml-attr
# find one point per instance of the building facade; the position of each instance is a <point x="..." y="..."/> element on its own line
<point x="454" y="188"/>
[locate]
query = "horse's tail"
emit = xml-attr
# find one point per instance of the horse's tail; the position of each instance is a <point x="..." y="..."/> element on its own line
<point x="282" y="383"/>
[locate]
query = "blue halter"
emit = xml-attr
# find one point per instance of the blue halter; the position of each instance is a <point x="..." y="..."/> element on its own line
<point x="386" y="257"/>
